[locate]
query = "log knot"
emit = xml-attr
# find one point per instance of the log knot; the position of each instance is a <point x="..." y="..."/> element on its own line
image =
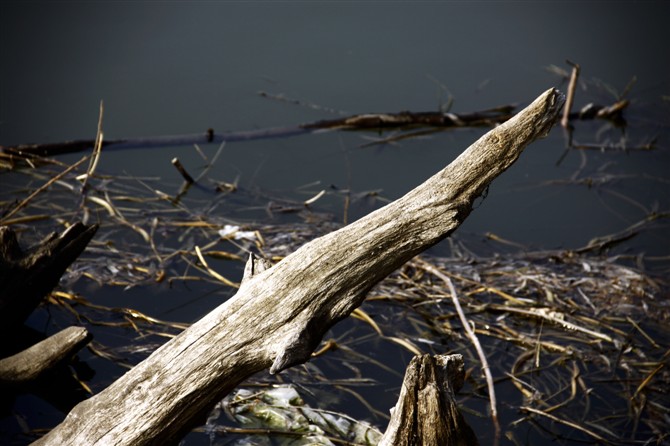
<point x="297" y="347"/>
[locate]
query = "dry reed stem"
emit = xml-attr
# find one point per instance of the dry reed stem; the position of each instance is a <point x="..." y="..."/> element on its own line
<point x="475" y="341"/>
<point x="565" y="120"/>
<point x="566" y="423"/>
<point x="41" y="189"/>
<point x="97" y="149"/>
<point x="212" y="272"/>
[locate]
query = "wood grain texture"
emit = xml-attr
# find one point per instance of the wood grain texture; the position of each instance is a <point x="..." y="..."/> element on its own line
<point x="426" y="412"/>
<point x="32" y="362"/>
<point x="279" y="315"/>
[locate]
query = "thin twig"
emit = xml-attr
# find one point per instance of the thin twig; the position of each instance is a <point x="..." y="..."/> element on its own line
<point x="42" y="188"/>
<point x="566" y="423"/>
<point x="96" y="152"/>
<point x="180" y="167"/>
<point x="475" y="341"/>
<point x="565" y="121"/>
<point x="210" y="164"/>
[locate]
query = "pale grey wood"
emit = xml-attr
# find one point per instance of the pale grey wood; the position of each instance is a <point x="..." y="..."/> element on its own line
<point x="255" y="265"/>
<point x="32" y="362"/>
<point x="279" y="315"/>
<point x="426" y="412"/>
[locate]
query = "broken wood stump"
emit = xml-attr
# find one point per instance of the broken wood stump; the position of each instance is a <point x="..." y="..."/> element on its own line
<point x="426" y="412"/>
<point x="27" y="276"/>
<point x="279" y="315"/>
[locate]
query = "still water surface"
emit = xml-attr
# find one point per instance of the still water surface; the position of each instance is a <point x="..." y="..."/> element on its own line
<point x="182" y="67"/>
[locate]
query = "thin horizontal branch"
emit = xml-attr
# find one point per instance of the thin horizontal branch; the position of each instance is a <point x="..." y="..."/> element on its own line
<point x="368" y="121"/>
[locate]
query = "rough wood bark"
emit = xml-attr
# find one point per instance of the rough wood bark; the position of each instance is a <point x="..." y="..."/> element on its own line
<point x="278" y="316"/>
<point x="426" y="413"/>
<point x="26" y="277"/>
<point x="32" y="362"/>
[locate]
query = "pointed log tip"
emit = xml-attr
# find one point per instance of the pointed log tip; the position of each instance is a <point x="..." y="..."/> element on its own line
<point x="553" y="99"/>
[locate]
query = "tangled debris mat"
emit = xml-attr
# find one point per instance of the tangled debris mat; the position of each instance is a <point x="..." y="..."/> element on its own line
<point x="577" y="344"/>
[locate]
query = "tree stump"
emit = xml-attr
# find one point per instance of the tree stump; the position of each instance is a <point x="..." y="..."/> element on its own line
<point x="426" y="412"/>
<point x="26" y="277"/>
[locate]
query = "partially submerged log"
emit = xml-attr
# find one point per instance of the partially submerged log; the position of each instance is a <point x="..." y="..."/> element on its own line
<point x="26" y="277"/>
<point x="426" y="413"/>
<point x="29" y="364"/>
<point x="367" y="121"/>
<point x="279" y="315"/>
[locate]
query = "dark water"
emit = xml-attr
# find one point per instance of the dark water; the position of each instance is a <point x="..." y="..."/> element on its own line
<point x="182" y="67"/>
<point x="172" y="68"/>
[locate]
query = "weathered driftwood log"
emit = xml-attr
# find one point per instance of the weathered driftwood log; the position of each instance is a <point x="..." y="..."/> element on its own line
<point x="32" y="362"/>
<point x="426" y="412"/>
<point x="26" y="277"/>
<point x="278" y="316"/>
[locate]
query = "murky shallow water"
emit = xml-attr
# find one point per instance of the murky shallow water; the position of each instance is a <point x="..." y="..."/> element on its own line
<point x="173" y="68"/>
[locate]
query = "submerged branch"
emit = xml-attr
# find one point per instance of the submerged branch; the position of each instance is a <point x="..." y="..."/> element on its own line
<point x="369" y="121"/>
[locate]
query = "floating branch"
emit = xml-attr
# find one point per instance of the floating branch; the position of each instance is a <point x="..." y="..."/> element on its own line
<point x="612" y="113"/>
<point x="370" y="121"/>
<point x="407" y="120"/>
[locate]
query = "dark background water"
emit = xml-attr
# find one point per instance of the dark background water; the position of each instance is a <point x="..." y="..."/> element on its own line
<point x="182" y="67"/>
<point x="177" y="67"/>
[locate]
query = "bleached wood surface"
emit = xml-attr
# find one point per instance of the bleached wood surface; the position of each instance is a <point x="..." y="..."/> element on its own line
<point x="278" y="316"/>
